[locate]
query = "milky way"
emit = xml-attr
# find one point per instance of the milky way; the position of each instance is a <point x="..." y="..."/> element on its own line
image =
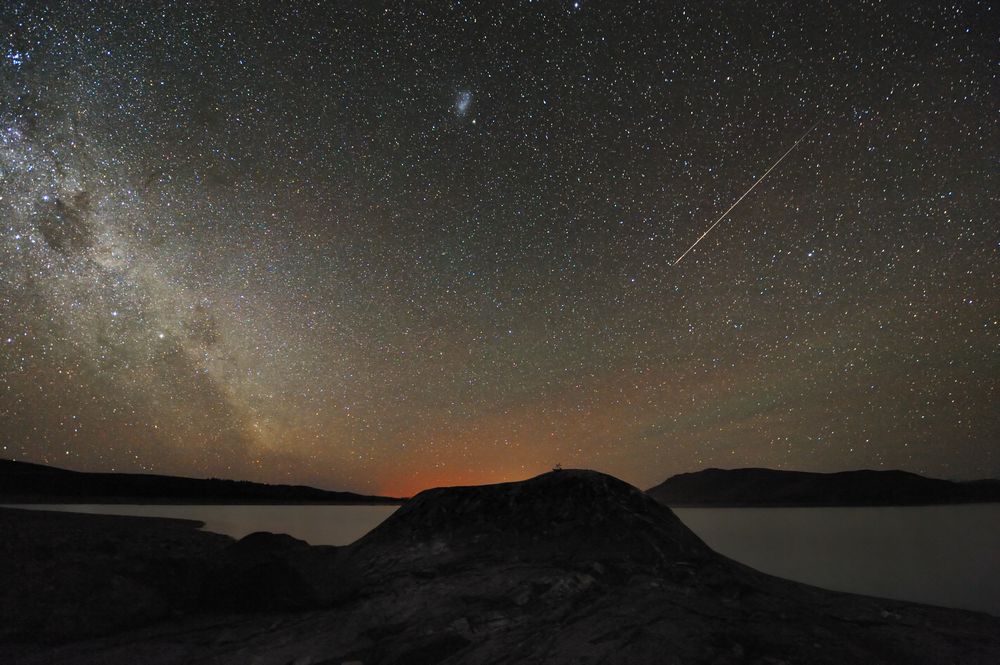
<point x="431" y="243"/>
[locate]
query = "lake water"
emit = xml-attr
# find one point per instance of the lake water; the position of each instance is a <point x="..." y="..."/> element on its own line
<point x="942" y="555"/>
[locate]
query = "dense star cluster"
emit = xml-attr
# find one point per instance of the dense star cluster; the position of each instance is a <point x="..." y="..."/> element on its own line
<point x="383" y="246"/>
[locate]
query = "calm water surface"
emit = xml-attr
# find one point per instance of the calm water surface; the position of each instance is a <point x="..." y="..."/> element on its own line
<point x="943" y="555"/>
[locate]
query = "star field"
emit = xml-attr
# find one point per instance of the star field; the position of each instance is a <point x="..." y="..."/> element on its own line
<point x="396" y="245"/>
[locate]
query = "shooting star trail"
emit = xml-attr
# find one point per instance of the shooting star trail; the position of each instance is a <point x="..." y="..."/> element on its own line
<point x="723" y="216"/>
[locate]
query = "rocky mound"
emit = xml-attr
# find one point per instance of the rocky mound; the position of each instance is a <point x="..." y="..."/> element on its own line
<point x="67" y="576"/>
<point x="561" y="517"/>
<point x="267" y="572"/>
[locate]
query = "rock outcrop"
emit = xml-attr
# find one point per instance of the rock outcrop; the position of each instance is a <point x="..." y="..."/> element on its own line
<point x="66" y="576"/>
<point x="269" y="572"/>
<point x="564" y="517"/>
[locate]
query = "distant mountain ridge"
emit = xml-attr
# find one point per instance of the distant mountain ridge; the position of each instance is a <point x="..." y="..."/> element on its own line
<point x="771" y="487"/>
<point x="23" y="482"/>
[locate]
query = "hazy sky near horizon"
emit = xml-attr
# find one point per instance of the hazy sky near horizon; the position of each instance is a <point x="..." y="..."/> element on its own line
<point x="385" y="246"/>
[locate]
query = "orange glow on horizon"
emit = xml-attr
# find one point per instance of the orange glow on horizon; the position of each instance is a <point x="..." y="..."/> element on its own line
<point x="406" y="485"/>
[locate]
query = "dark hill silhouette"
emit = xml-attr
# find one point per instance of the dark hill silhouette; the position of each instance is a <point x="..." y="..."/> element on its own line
<point x="22" y="482"/>
<point x="567" y="515"/>
<point x="567" y="567"/>
<point x="770" y="487"/>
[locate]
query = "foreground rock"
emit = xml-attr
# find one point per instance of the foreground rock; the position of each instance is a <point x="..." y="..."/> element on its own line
<point x="569" y="567"/>
<point x="66" y="576"/>
<point x="269" y="572"/>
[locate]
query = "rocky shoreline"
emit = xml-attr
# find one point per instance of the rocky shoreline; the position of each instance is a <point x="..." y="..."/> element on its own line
<point x="568" y="567"/>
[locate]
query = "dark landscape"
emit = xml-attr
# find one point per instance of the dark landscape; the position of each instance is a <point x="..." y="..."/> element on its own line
<point x="770" y="487"/>
<point x="21" y="482"/>
<point x="568" y="567"/>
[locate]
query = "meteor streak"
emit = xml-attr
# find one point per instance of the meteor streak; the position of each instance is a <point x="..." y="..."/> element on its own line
<point x="723" y="216"/>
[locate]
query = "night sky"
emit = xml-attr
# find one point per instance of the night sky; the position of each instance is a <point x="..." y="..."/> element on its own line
<point x="386" y="246"/>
